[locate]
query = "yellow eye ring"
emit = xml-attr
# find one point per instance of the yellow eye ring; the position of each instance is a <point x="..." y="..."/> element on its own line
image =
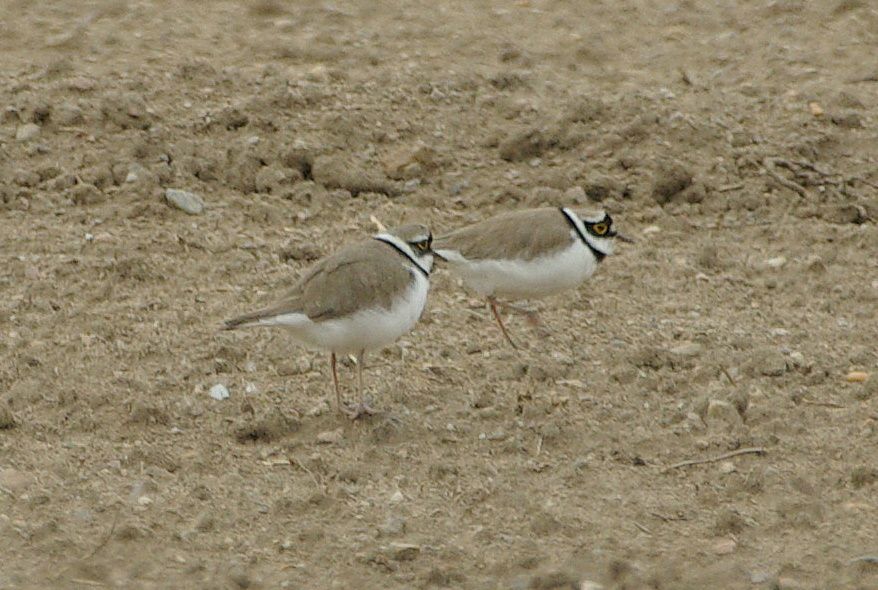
<point x="600" y="228"/>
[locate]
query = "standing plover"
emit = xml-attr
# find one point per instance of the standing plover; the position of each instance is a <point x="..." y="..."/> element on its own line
<point x="528" y="254"/>
<point x="363" y="297"/>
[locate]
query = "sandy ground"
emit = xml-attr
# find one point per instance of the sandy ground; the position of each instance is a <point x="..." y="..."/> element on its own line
<point x="736" y="141"/>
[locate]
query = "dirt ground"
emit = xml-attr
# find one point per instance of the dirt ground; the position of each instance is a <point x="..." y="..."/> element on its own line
<point x="736" y="141"/>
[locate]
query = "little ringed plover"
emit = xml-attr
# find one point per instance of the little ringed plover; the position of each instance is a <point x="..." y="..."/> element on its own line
<point x="528" y="254"/>
<point x="363" y="297"/>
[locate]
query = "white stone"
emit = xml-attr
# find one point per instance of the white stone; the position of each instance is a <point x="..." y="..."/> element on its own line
<point x="185" y="201"/>
<point x="330" y="437"/>
<point x="219" y="392"/>
<point x="776" y="262"/>
<point x="27" y="132"/>
<point x="687" y="349"/>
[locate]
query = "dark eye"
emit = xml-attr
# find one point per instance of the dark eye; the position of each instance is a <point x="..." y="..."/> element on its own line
<point x="600" y="228"/>
<point x="423" y="246"/>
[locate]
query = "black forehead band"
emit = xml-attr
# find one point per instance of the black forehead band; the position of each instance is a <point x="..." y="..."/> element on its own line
<point x="607" y="219"/>
<point x="428" y="239"/>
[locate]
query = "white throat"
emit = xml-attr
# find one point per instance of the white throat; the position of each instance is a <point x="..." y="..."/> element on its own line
<point x="424" y="262"/>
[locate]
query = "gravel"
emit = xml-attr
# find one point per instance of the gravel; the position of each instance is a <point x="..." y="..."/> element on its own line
<point x="185" y="201"/>
<point x="219" y="392"/>
<point x="27" y="132"/>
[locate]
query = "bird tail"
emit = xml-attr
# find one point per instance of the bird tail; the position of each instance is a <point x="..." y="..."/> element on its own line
<point x="245" y="321"/>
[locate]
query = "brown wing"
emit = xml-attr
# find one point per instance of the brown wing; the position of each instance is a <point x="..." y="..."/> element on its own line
<point x="524" y="234"/>
<point x="361" y="275"/>
<point x="368" y="275"/>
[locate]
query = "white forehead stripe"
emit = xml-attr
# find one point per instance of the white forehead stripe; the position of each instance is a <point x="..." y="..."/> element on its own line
<point x="596" y="218"/>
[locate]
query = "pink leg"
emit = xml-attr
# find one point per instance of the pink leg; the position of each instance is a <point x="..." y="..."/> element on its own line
<point x="335" y="381"/>
<point x="493" y="303"/>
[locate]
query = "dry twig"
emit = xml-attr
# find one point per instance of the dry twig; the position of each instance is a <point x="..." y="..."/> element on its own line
<point x="812" y="402"/>
<point x="317" y="481"/>
<point x="728" y="376"/>
<point x="105" y="540"/>
<point x="770" y="163"/>
<point x="729" y="455"/>
<point x="668" y="518"/>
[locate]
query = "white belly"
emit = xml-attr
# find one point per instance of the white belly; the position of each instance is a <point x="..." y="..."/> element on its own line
<point x="531" y="279"/>
<point x="365" y="330"/>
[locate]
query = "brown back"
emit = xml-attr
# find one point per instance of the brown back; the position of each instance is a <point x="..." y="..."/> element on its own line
<point x="525" y="235"/>
<point x="361" y="275"/>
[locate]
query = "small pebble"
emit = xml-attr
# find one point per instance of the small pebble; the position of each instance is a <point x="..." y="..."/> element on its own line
<point x="724" y="546"/>
<point x="404" y="551"/>
<point x="27" y="132"/>
<point x="219" y="392"/>
<point x="292" y="367"/>
<point x="185" y="201"/>
<point x="727" y="467"/>
<point x="688" y="349"/>
<point x="769" y="362"/>
<point x="319" y="408"/>
<point x="776" y="262"/>
<point x="857" y="377"/>
<point x="330" y="437"/>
